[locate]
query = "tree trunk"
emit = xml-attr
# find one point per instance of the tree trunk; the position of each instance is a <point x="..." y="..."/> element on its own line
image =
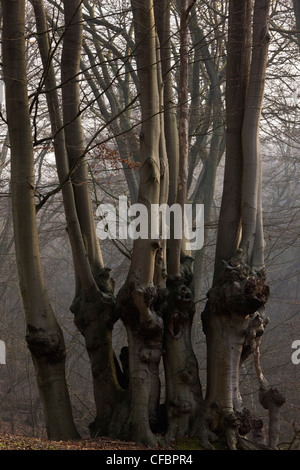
<point x="93" y="304"/>
<point x="252" y="181"/>
<point x="234" y="315"/>
<point x="183" y="391"/>
<point x="140" y="301"/>
<point x="162" y="20"/>
<point x="44" y="336"/>
<point x="237" y="76"/>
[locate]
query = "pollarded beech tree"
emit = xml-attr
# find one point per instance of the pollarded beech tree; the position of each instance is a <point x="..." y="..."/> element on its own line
<point x="183" y="389"/>
<point x="141" y="298"/>
<point x="234" y="317"/>
<point x="156" y="301"/>
<point x="93" y="304"/>
<point x="44" y="336"/>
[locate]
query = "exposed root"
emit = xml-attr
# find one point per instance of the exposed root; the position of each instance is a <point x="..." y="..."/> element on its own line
<point x="202" y="430"/>
<point x="270" y="398"/>
<point x="246" y="444"/>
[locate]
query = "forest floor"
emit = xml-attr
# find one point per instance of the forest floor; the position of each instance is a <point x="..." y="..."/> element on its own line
<point x="14" y="442"/>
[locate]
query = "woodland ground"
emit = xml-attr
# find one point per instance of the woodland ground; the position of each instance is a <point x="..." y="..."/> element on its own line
<point x="14" y="442"/>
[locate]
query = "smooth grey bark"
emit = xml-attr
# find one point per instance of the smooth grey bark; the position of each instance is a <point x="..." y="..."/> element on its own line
<point x="62" y="164"/>
<point x="139" y="301"/>
<point x="44" y="336"/>
<point x="74" y="136"/>
<point x="183" y="390"/>
<point x="160" y="275"/>
<point x="252" y="180"/>
<point x="237" y="74"/>
<point x="93" y="304"/>
<point x="234" y="316"/>
<point x="162" y="18"/>
<point x="270" y="398"/>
